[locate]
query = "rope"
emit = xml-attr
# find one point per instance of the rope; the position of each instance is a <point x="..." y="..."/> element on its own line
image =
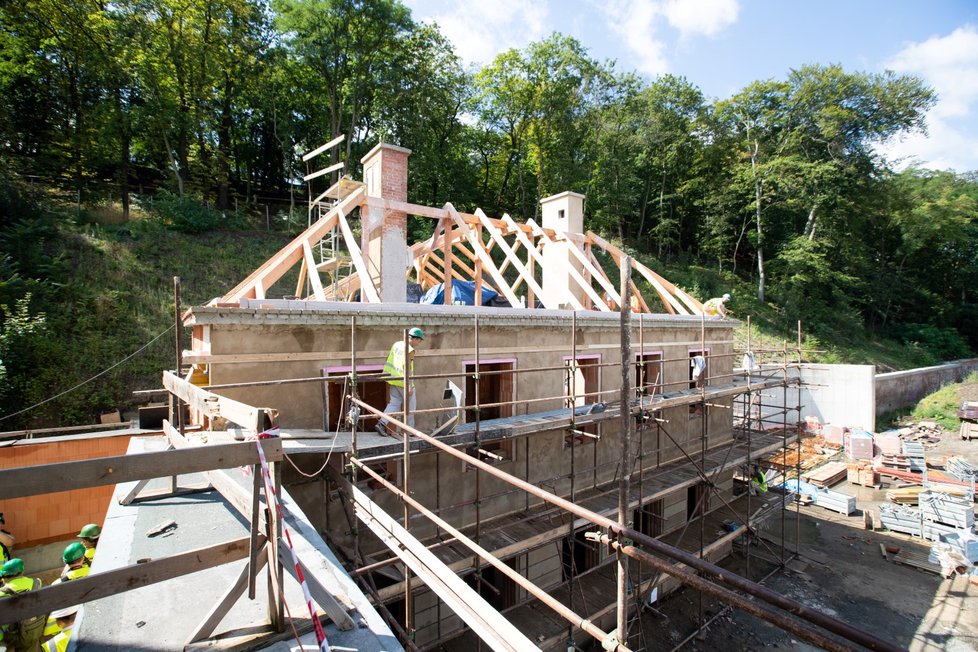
<point x="271" y="497"/>
<point x="331" y="446"/>
<point x="85" y="382"/>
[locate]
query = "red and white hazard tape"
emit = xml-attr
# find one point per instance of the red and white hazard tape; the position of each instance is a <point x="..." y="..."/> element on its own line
<point x="270" y="495"/>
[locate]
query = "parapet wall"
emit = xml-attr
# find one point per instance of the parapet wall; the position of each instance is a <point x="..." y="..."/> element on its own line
<point x="44" y="518"/>
<point x="899" y="389"/>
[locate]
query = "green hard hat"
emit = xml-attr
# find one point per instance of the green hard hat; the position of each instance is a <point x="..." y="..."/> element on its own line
<point x="14" y="566"/>
<point x="90" y="531"/>
<point x="416" y="332"/>
<point x="73" y="552"/>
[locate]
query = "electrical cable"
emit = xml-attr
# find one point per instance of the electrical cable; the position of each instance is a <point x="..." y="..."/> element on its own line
<point x="332" y="445"/>
<point x="85" y="382"/>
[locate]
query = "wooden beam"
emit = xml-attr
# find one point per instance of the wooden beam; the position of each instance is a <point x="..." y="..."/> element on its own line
<point x="366" y="282"/>
<point x="215" y="405"/>
<point x="324" y="171"/>
<point x="336" y="612"/>
<point x="228" y="600"/>
<point x="479" y="615"/>
<point x="101" y="585"/>
<point x="484" y="258"/>
<point x="446" y="252"/>
<point x="276" y="266"/>
<point x="322" y="148"/>
<point x="588" y="290"/>
<point x="531" y="282"/>
<point x="310" y="266"/>
<point x="101" y="471"/>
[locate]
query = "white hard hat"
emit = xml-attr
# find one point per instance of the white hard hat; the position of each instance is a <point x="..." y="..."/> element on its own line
<point x="726" y="297"/>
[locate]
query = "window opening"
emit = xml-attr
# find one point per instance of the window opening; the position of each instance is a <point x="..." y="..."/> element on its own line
<point x="373" y="392"/>
<point x="582" y="386"/>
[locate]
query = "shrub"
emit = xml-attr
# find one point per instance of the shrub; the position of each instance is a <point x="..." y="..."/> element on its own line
<point x="185" y="214"/>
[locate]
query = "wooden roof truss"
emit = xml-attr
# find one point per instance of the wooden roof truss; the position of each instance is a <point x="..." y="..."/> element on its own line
<point x="502" y="253"/>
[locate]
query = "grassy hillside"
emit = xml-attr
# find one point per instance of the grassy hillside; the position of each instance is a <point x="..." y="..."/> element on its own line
<point x="101" y="289"/>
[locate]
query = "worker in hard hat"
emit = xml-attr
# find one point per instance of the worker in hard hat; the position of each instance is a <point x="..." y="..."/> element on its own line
<point x="716" y="307"/>
<point x="24" y="634"/>
<point x="397" y="361"/>
<point x="758" y="480"/>
<point x="65" y="619"/>
<point x="89" y="538"/>
<point x="75" y="566"/>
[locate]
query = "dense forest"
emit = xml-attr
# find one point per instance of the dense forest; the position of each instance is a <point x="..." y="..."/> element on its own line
<point x="197" y="112"/>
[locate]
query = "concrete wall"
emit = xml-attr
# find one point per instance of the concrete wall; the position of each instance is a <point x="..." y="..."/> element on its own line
<point x="901" y="389"/>
<point x="841" y="394"/>
<point x="44" y="518"/>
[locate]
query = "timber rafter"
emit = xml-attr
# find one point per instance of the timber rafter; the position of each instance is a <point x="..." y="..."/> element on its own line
<point x="501" y="254"/>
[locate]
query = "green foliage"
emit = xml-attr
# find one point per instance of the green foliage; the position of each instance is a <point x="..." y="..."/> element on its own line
<point x="184" y="214"/>
<point x="942" y="343"/>
<point x="19" y="325"/>
<point x="942" y="405"/>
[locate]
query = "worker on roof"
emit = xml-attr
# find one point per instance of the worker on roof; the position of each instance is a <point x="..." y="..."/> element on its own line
<point x="65" y="619"/>
<point x="25" y="634"/>
<point x="89" y="538"/>
<point x="75" y="566"/>
<point x="397" y="360"/>
<point x="716" y="307"/>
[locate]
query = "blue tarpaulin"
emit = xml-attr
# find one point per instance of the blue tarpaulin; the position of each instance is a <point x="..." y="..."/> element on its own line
<point x="463" y="292"/>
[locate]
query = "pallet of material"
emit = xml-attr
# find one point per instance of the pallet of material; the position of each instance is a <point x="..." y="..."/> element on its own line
<point x="904" y="495"/>
<point x="862" y="473"/>
<point x="917" y="560"/>
<point x="827" y="475"/>
<point x="950" y="510"/>
<point x="900" y="518"/>
<point x="960" y="468"/>
<point x="835" y="501"/>
<point x="968" y="430"/>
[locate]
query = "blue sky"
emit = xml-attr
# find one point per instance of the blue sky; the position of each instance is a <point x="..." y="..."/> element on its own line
<point x="723" y="45"/>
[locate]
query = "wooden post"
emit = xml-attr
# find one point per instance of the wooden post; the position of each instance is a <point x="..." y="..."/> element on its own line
<point x="406" y="484"/>
<point x="626" y="433"/>
<point x="178" y="326"/>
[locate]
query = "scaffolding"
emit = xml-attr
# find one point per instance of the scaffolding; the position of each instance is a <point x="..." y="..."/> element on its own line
<point x="768" y="368"/>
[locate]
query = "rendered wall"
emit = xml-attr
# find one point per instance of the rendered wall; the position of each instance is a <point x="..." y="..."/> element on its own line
<point x="247" y="345"/>
<point x="900" y="389"/>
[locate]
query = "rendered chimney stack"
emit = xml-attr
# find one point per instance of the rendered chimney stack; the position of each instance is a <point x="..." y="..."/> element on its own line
<point x="384" y="238"/>
<point x="563" y="213"/>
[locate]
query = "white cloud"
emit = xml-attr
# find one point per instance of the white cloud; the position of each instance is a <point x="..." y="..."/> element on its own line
<point x="949" y="64"/>
<point x="700" y="17"/>
<point x="481" y="30"/>
<point x="635" y="22"/>
<point x="639" y="23"/>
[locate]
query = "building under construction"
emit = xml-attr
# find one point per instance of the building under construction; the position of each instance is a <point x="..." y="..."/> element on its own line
<point x="571" y="461"/>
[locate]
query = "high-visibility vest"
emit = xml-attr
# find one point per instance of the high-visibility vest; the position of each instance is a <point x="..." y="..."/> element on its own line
<point x="60" y="642"/>
<point x="51" y="628"/>
<point x="74" y="573"/>
<point x="90" y="555"/>
<point x="713" y="307"/>
<point x="760" y="479"/>
<point x="395" y="364"/>
<point x="20" y="584"/>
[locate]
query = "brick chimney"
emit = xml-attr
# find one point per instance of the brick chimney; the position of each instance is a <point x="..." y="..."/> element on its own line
<point x="384" y="238"/>
<point x="563" y="212"/>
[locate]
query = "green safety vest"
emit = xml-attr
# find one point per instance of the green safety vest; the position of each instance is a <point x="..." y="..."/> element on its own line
<point x="60" y="642"/>
<point x="760" y="479"/>
<point x="74" y="573"/>
<point x="395" y="365"/>
<point x="18" y="585"/>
